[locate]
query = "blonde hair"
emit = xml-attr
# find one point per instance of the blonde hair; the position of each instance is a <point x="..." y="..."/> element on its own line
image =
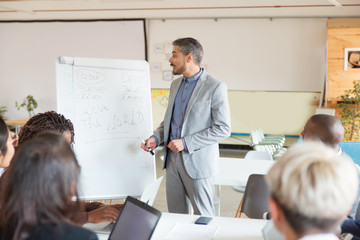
<point x="312" y="181"/>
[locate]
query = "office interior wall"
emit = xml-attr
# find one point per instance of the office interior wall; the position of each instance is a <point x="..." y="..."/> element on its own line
<point x="274" y="68"/>
<point x="274" y="112"/>
<point x="28" y="51"/>
<point x="279" y="54"/>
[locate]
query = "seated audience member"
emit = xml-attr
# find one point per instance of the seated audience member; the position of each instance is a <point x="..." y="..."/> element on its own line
<point x="6" y="145"/>
<point x="52" y="121"/>
<point x="37" y="191"/>
<point x="47" y="121"/>
<point x="312" y="189"/>
<point x="328" y="130"/>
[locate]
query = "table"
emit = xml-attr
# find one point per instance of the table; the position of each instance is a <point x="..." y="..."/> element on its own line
<point x="235" y="172"/>
<point x="229" y="228"/>
<point x="18" y="123"/>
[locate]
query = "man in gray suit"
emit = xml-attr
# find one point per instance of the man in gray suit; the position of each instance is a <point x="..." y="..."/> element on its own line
<point x="196" y="119"/>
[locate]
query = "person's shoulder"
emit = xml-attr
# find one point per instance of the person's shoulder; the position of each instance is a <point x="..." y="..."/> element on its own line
<point x="62" y="231"/>
<point x="209" y="78"/>
<point x="76" y="232"/>
<point x="176" y="80"/>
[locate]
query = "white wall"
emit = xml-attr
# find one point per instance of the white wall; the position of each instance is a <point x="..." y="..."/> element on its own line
<point x="249" y="54"/>
<point x="274" y="112"/>
<point x="28" y="52"/>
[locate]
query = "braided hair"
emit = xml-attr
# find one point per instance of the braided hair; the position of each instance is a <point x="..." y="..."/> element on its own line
<point x="47" y="121"/>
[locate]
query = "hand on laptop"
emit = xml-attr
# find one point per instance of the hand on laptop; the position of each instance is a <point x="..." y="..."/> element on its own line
<point x="102" y="214"/>
<point x="118" y="206"/>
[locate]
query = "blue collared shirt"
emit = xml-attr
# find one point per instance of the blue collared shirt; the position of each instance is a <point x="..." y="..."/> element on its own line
<point x="181" y="101"/>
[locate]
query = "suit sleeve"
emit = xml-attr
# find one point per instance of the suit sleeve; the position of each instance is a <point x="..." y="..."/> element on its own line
<point x="159" y="133"/>
<point x="220" y="127"/>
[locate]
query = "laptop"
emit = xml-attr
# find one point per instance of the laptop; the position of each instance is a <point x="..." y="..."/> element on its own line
<point x="270" y="232"/>
<point x="136" y="221"/>
<point x="148" y="197"/>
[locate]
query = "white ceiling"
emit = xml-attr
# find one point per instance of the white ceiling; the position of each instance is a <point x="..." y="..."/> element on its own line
<point x="109" y="9"/>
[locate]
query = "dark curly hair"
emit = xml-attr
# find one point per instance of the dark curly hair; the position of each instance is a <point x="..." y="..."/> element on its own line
<point x="47" y="121"/>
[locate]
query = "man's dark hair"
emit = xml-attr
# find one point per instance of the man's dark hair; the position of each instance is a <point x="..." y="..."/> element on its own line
<point x="328" y="129"/>
<point x="190" y="45"/>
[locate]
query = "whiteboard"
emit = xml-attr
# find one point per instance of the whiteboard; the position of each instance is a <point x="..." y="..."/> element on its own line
<point x="109" y="103"/>
<point x="279" y="54"/>
<point x="28" y="51"/>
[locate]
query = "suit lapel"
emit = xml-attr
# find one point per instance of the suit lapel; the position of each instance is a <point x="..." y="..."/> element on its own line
<point x="199" y="85"/>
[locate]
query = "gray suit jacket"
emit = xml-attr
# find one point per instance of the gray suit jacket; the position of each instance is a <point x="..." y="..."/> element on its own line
<point x="206" y="122"/>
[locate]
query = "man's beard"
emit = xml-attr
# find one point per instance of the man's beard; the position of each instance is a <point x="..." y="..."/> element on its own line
<point x="179" y="71"/>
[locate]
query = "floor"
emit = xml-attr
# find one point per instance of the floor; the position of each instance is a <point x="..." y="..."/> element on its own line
<point x="229" y="198"/>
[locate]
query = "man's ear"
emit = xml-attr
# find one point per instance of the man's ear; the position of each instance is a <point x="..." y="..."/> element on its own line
<point x="73" y="188"/>
<point x="277" y="216"/>
<point x="189" y="58"/>
<point x="274" y="209"/>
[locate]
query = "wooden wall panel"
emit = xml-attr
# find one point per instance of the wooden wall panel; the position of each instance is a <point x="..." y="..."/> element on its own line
<point x="342" y="33"/>
<point x="343" y="23"/>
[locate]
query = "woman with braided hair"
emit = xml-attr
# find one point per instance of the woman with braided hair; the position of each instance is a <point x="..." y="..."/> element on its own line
<point x="48" y="121"/>
<point x="95" y="212"/>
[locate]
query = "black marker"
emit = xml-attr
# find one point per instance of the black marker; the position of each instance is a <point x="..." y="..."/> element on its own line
<point x="151" y="151"/>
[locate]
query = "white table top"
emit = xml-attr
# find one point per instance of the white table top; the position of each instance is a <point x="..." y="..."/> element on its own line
<point x="236" y="171"/>
<point x="229" y="228"/>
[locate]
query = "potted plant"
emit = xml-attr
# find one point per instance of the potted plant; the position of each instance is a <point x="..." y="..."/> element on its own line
<point x="3" y="110"/>
<point x="29" y="103"/>
<point x="350" y="112"/>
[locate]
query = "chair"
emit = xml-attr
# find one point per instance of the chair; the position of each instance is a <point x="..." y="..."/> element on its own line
<point x="271" y="143"/>
<point x="352" y="149"/>
<point x="357" y="215"/>
<point x="256" y="155"/>
<point x="255" y="199"/>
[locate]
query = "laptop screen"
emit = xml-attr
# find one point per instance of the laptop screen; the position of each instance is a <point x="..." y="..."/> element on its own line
<point x="136" y="221"/>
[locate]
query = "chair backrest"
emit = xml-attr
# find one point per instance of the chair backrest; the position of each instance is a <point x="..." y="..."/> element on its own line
<point x="352" y="149"/>
<point x="357" y="216"/>
<point x="150" y="191"/>
<point x="254" y="139"/>
<point x="256" y="197"/>
<point x="260" y="132"/>
<point x="258" y="155"/>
